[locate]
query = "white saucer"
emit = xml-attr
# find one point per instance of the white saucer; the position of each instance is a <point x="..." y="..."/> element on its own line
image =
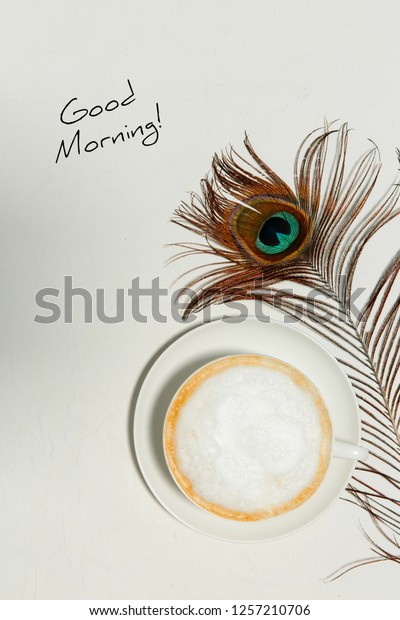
<point x="225" y="337"/>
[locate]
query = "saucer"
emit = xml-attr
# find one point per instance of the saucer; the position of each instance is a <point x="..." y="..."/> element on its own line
<point x="227" y="337"/>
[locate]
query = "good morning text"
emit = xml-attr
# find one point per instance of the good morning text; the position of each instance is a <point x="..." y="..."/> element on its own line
<point x="73" y="112"/>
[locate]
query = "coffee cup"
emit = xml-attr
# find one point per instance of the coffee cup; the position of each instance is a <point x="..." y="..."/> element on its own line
<point x="249" y="437"/>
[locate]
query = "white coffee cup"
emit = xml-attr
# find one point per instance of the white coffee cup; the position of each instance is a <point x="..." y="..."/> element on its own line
<point x="324" y="447"/>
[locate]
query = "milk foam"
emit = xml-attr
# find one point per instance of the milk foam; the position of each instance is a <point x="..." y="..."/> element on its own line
<point x="249" y="438"/>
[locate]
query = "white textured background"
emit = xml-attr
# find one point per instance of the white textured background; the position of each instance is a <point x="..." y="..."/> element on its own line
<point x="76" y="519"/>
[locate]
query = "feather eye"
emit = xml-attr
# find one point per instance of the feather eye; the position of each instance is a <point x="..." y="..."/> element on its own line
<point x="270" y="231"/>
<point x="264" y="234"/>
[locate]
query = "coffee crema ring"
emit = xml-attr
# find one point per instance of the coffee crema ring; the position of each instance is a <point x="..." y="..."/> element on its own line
<point x="248" y="437"/>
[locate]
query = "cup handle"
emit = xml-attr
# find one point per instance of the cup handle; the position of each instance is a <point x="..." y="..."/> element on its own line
<point x="345" y="450"/>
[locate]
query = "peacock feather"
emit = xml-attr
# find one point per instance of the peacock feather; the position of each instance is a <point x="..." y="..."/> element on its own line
<point x="313" y="236"/>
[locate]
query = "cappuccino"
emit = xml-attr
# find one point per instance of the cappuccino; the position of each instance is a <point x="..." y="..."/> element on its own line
<point x="248" y="437"/>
